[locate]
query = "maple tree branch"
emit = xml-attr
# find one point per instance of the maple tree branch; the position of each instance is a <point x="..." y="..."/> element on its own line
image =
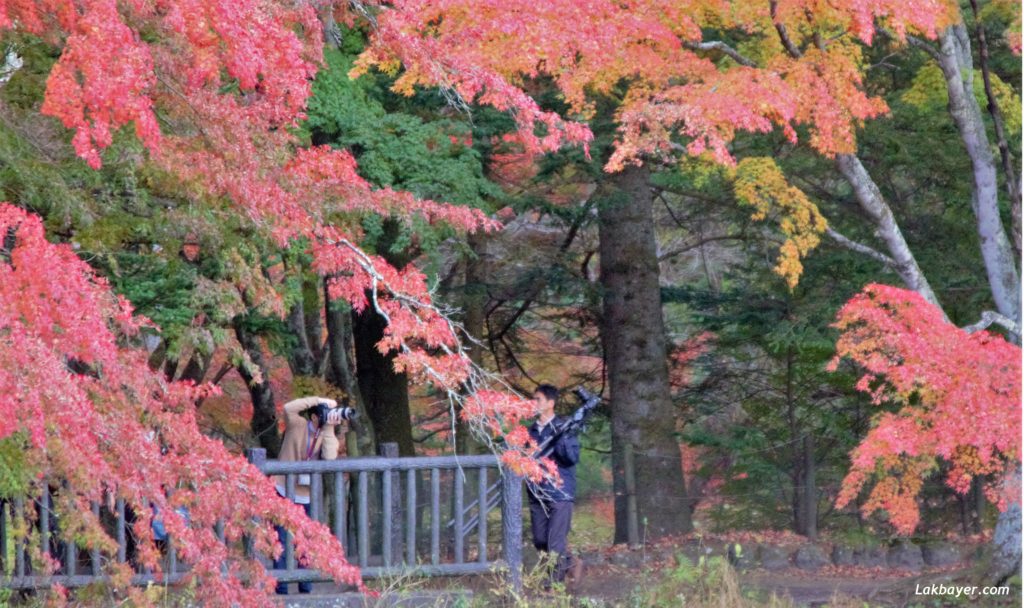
<point x="718" y="45"/>
<point x="861" y="248"/>
<point x="990" y="317"/>
<point x="783" y="33"/>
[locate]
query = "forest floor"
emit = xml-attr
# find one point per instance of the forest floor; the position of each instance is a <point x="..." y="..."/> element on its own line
<point x="673" y="572"/>
<point x="631" y="587"/>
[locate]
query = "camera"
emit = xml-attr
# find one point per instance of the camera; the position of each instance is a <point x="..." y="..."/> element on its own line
<point x="321" y="409"/>
<point x="585" y="396"/>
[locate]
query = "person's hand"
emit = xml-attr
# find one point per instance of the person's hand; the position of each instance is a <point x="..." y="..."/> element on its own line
<point x="331" y="403"/>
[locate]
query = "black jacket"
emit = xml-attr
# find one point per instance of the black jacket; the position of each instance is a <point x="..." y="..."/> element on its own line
<point x="565" y="452"/>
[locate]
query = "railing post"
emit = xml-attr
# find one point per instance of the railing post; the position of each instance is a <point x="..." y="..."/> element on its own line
<point x="512" y="526"/>
<point x="435" y="516"/>
<point x="3" y="536"/>
<point x="391" y="506"/>
<point x="256" y="456"/>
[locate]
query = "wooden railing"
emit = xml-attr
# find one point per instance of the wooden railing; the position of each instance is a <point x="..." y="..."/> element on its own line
<point x="392" y="515"/>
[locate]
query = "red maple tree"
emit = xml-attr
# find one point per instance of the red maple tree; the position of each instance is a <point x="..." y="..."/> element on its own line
<point x="96" y="425"/>
<point x="958" y="398"/>
<point x="213" y="90"/>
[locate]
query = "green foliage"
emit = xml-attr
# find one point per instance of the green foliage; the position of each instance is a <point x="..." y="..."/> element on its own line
<point x="928" y="93"/>
<point x="16" y="474"/>
<point x="709" y="581"/>
<point x="395" y="149"/>
<point x="427" y="153"/>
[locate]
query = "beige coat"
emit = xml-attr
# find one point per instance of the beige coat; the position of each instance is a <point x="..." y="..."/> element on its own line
<point x="298" y="432"/>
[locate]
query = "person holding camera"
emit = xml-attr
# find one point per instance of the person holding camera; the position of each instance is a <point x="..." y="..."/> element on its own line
<point x="309" y="435"/>
<point x="551" y="505"/>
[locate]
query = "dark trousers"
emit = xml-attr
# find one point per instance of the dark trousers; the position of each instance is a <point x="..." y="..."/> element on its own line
<point x="279" y="563"/>
<point x="550" y="523"/>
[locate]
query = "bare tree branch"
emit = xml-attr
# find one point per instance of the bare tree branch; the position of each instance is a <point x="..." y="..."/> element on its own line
<point x="861" y="248"/>
<point x="990" y="317"/>
<point x="923" y="45"/>
<point x="718" y="45"/>
<point x="698" y="243"/>
<point x="783" y="33"/>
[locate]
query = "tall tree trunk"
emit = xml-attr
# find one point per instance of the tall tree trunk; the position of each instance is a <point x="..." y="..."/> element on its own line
<point x="341" y="371"/>
<point x="871" y="201"/>
<point x="957" y="64"/>
<point x="264" y="413"/>
<point x="385" y="393"/>
<point x="809" y="491"/>
<point x="955" y="60"/>
<point x="977" y="510"/>
<point x="300" y="356"/>
<point x="314" y="322"/>
<point x="633" y="337"/>
<point x="999" y="125"/>
<point x="474" y="301"/>
<point x="1006" y="540"/>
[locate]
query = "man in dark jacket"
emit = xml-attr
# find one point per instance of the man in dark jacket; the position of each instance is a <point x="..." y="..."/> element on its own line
<point x="551" y="504"/>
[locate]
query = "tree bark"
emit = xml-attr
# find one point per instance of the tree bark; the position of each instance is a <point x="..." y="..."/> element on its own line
<point x="809" y="491"/>
<point x="300" y="357"/>
<point x="870" y="198"/>
<point x="1006" y="541"/>
<point x="633" y="337"/>
<point x="264" y="413"/>
<point x="977" y="510"/>
<point x="314" y="323"/>
<point x="385" y="393"/>
<point x="1009" y="170"/>
<point x="342" y="374"/>
<point x="474" y="301"/>
<point x="956" y="63"/>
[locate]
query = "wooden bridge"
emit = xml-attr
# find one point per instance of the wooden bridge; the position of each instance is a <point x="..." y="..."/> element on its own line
<point x="392" y="515"/>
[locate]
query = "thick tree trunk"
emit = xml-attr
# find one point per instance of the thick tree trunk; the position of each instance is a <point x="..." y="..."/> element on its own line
<point x="385" y="393"/>
<point x="300" y="356"/>
<point x="955" y="60"/>
<point x="341" y="371"/>
<point x="873" y="203"/>
<point x="954" y="57"/>
<point x="977" y="510"/>
<point x="314" y="323"/>
<point x="633" y="337"/>
<point x="1006" y="541"/>
<point x="474" y="301"/>
<point x="264" y="413"/>
<point x="1009" y="168"/>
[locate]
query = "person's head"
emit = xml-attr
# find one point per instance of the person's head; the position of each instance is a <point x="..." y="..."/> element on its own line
<point x="544" y="397"/>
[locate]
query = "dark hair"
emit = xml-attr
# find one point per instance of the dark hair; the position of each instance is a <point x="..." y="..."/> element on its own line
<point x="548" y="390"/>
